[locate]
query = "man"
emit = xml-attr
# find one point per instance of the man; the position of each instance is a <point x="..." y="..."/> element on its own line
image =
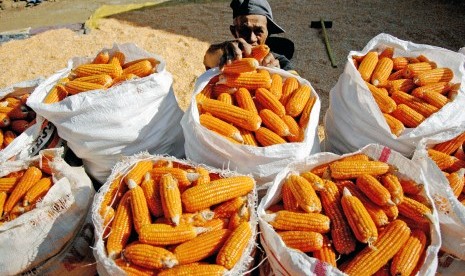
<point x="252" y="25"/>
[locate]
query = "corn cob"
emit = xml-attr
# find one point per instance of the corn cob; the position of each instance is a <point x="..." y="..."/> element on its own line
<point x="123" y="78"/>
<point x="219" y="89"/>
<point x="3" y="197"/>
<point x="276" y="85"/>
<point x="396" y="126"/>
<point x="7" y="184"/>
<point x="95" y="69"/>
<point x="410" y="187"/>
<point x="244" y="100"/>
<point x="343" y="239"/>
<point x="249" y="80"/>
<point x="160" y="234"/>
<point x="183" y="177"/>
<point x="235" y="246"/>
<point x="358" y="218"/>
<point x="19" y="126"/>
<point x="138" y="171"/>
<point x="226" y="98"/>
<point x="405" y="261"/>
<point x="289" y="201"/>
<point x="101" y="58"/>
<point x="4" y="120"/>
<point x="304" y="193"/>
<point x="457" y="165"/>
<point x="15" y="112"/>
<point x="141" y="69"/>
<point x="415" y="103"/>
<point x="240" y="66"/>
<point x="297" y="101"/>
<point x="149" y="256"/>
<point x="388" y="52"/>
<point x="405" y="85"/>
<point x="201" y="247"/>
<point x="118" y="58"/>
<point x="113" y="195"/>
<point x="203" y="176"/>
<point x="435" y="99"/>
<point x="154" y="62"/>
<point x="374" y="190"/>
<point x="434" y="75"/>
<point x="460" y="154"/>
<point x="296" y="133"/>
<point x="414" y="210"/>
<point x="134" y="270"/>
<point x="412" y="70"/>
<point x="152" y="194"/>
<point x="326" y="253"/>
<point x="139" y="209"/>
<point x="302" y="240"/>
<point x="267" y="137"/>
<point x="248" y="137"/>
<point x="8" y="137"/>
<point x="384" y="102"/>
<point x="317" y="183"/>
<point x="286" y="220"/>
<point x="395" y="75"/>
<point x="392" y="184"/>
<point x="382" y="71"/>
<point x="74" y="87"/>
<point x="456" y="181"/>
<point x="37" y="191"/>
<point x="400" y="63"/>
<point x="268" y="101"/>
<point x="220" y="126"/>
<point x="273" y="122"/>
<point x="1" y="138"/>
<point x="367" y="65"/>
<point x="372" y="258"/>
<point x="170" y="198"/>
<point x="438" y="87"/>
<point x="197" y="269"/>
<point x="227" y="208"/>
<point x="450" y="146"/>
<point x="442" y="160"/>
<point x="353" y="169"/>
<point x="408" y="116"/>
<point x="289" y="86"/>
<point x="121" y="228"/>
<point x="232" y="114"/>
<point x="30" y="177"/>
<point x="102" y="79"/>
<point x="56" y="94"/>
<point x="259" y="52"/>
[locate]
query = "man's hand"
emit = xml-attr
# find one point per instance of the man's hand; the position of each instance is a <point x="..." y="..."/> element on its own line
<point x="233" y="50"/>
<point x="270" y="61"/>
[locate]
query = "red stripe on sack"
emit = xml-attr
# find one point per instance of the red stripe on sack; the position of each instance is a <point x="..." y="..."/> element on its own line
<point x="385" y="153"/>
<point x="320" y="268"/>
<point x="275" y="258"/>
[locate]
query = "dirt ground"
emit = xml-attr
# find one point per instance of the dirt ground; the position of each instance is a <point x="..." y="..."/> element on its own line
<point x="181" y="31"/>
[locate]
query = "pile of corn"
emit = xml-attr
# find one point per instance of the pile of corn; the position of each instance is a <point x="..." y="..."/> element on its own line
<point x="103" y="72"/>
<point x="358" y="209"/>
<point x="20" y="191"/>
<point x="250" y="106"/>
<point x="407" y="89"/>
<point x="170" y="218"/>
<point x="450" y="158"/>
<point x="15" y="118"/>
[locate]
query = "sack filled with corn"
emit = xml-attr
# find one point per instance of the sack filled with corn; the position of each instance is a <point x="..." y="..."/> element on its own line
<point x="118" y="102"/>
<point x="360" y="213"/>
<point x="251" y="119"/>
<point x="395" y="93"/>
<point x="44" y="203"/>
<point x="166" y="216"/>
<point x="443" y="160"/>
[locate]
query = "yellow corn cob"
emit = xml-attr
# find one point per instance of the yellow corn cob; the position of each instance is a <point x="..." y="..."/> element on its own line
<point x="374" y="190"/>
<point x="396" y="126"/>
<point x="17" y="211"/>
<point x="316" y="182"/>
<point x="302" y="240"/>
<point x="8" y="137"/>
<point x="141" y="69"/>
<point x="139" y="209"/>
<point x="30" y="177"/>
<point x="414" y="210"/>
<point x="101" y="58"/>
<point x="121" y="228"/>
<point x="372" y="258"/>
<point x="183" y="177"/>
<point x="341" y="234"/>
<point x="232" y="114"/>
<point x="385" y="103"/>
<point x="450" y="146"/>
<point x="170" y="198"/>
<point x="227" y="208"/>
<point x="260" y="51"/>
<point x="123" y="78"/>
<point x="134" y="270"/>
<point x="235" y="246"/>
<point x="438" y="87"/>
<point x="107" y="220"/>
<point x="395" y="75"/>
<point x="289" y="86"/>
<point x="113" y="195"/>
<point x="352" y="169"/>
<point x="273" y="122"/>
<point x="226" y="98"/>
<point x="304" y="193"/>
<point x="152" y="194"/>
<point x="161" y="234"/>
<point x="1" y="138"/>
<point x="296" y="102"/>
<point x="358" y="218"/>
<point x="102" y="79"/>
<point x="326" y="253"/>
<point x="241" y="66"/>
<point x="219" y="89"/>
<point x="458" y="164"/>
<point x="244" y="100"/>
<point x="400" y="63"/>
<point x="7" y="184"/>
<point x="435" y="99"/>
<point x="203" y="176"/>
<point x="382" y="71"/>
<point x="55" y="95"/>
<point x="408" y="116"/>
<point x="217" y="191"/>
<point x="197" y="269"/>
<point x="443" y="74"/>
<point x="367" y="65"/>
<point x="220" y="126"/>
<point x="267" y="137"/>
<point x="138" y="171"/>
<point x="456" y="181"/>
<point x="248" y="137"/>
<point x="249" y="80"/>
<point x="276" y="85"/>
<point x="405" y="261"/>
<point x="415" y="103"/>
<point x="4" y="120"/>
<point x="412" y="70"/>
<point x="153" y="62"/>
<point x="296" y="133"/>
<point x="96" y="69"/>
<point x="442" y="160"/>
<point x="392" y="184"/>
<point x="238" y="217"/>
<point x="305" y="115"/>
<point x="118" y="58"/>
<point x="149" y="256"/>
<point x="410" y="187"/>
<point x="267" y="100"/>
<point x="3" y="197"/>
<point x="75" y="87"/>
<point x="405" y="85"/>
<point x="286" y="220"/>
<point x="289" y="201"/>
<point x="37" y="191"/>
<point x="201" y="247"/>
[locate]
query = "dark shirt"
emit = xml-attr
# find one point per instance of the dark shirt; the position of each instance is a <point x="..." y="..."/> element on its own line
<point x="284" y="63"/>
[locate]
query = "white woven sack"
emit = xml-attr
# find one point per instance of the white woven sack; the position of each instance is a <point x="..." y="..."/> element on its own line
<point x="204" y="146"/>
<point x="354" y="120"/>
<point x="100" y="126"/>
<point x="450" y="265"/>
<point x="451" y="211"/>
<point x="38" y="235"/>
<point x="21" y="144"/>
<point x="107" y="267"/>
<point x="287" y="261"/>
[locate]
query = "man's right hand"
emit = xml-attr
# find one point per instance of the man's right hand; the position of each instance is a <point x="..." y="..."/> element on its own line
<point x="226" y="52"/>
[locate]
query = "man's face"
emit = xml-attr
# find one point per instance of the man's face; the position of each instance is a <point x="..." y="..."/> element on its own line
<point x="252" y="28"/>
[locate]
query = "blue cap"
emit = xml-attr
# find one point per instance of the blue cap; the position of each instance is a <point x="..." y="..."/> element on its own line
<point x="261" y="7"/>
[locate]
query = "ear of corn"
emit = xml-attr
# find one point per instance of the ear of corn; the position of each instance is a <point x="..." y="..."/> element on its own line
<point x="149" y="256"/>
<point x="405" y="261"/>
<point x="152" y="61"/>
<point x="273" y="122"/>
<point x="297" y="101"/>
<point x="219" y="89"/>
<point x="372" y="258"/>
<point x="368" y="65"/>
<point x="374" y="190"/>
<point x="438" y="87"/>
<point x="240" y="66"/>
<point x="305" y="115"/>
<point x="392" y="184"/>
<point x="227" y="208"/>
<point x="121" y="228"/>
<point x="289" y="201"/>
<point x="248" y="137"/>
<point x="443" y="74"/>
<point x="123" y="78"/>
<point x="37" y="191"/>
<point x="400" y="62"/>
<point x="353" y="169"/>
<point x="456" y="181"/>
<point x="7" y="184"/>
<point x="8" y="137"/>
<point x="450" y="146"/>
<point x="217" y="191"/>
<point x="286" y="220"/>
<point x="197" y="269"/>
<point x="101" y="58"/>
<point x="405" y="85"/>
<point x="304" y="193"/>
<point x="170" y="198"/>
<point x="141" y="69"/>
<point x="3" y="197"/>
<point x="249" y="80"/>
<point x="385" y="103"/>
<point x="139" y="209"/>
<point x="113" y="195"/>
<point x="96" y="69"/>
<point x="395" y="75"/>
<point x="55" y="94"/>
<point x="415" y="103"/>
<point x="296" y="133"/>
<point x="302" y="240"/>
<point x="103" y="79"/>
<point x="442" y="160"/>
<point x="382" y="71"/>
<point x="183" y="177"/>
<point x="408" y="116"/>
<point x="267" y="137"/>
<point x="152" y="194"/>
<point x="268" y="101"/>
<point x="160" y="234"/>
<point x="413" y="69"/>
<point x="118" y="58"/>
<point x="244" y="100"/>
<point x="276" y="85"/>
<point x="4" y="120"/>
<point x="260" y="51"/>
<point x="30" y="177"/>
<point x="414" y="210"/>
<point x="410" y="187"/>
<point x="74" y="87"/>
<point x="234" y="246"/>
<point x="132" y="269"/>
<point x="289" y="86"/>
<point x="221" y="127"/>
<point x="138" y="171"/>
<point x="396" y="126"/>
<point x="326" y="253"/>
<point x="435" y="99"/>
